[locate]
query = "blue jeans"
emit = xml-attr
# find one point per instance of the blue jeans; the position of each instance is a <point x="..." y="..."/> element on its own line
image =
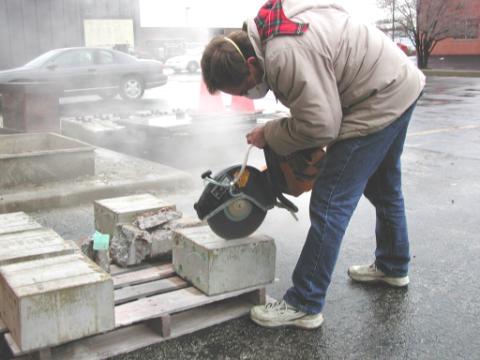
<point x="368" y="165"/>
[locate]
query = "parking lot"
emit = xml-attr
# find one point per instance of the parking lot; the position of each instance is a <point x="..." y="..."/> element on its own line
<point x="435" y="318"/>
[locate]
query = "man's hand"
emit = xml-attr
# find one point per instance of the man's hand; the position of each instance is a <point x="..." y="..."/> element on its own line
<point x="256" y="137"/>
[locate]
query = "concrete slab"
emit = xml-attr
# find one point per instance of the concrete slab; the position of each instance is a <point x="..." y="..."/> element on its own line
<point x="52" y="301"/>
<point x="17" y="222"/>
<point x="116" y="175"/>
<point x="217" y="266"/>
<point x="129" y="245"/>
<point x="101" y="132"/>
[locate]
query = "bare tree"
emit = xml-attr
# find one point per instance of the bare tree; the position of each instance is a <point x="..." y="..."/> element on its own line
<point x="426" y="22"/>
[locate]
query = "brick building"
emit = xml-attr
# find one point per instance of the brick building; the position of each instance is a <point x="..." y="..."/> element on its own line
<point x="29" y="28"/>
<point x="466" y="37"/>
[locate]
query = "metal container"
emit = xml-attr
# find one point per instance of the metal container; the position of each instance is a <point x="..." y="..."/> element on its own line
<point x="43" y="157"/>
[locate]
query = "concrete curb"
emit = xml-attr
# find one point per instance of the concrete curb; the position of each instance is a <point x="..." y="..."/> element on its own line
<point x="33" y="200"/>
<point x="135" y="176"/>
<point x="451" y="73"/>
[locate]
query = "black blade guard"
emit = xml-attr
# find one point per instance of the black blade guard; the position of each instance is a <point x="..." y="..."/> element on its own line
<point x="236" y="212"/>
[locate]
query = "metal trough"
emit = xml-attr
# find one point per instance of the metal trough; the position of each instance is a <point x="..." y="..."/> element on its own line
<point x="42" y="157"/>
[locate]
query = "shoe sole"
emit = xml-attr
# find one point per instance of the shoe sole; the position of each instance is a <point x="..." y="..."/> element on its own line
<point x="392" y="281"/>
<point x="308" y="325"/>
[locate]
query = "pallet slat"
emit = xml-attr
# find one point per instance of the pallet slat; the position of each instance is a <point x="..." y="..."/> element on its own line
<point x="116" y="270"/>
<point x="146" y="289"/>
<point x="138" y="336"/>
<point x="168" y="303"/>
<point x="143" y="275"/>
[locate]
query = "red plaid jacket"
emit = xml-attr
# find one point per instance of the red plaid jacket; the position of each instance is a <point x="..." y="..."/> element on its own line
<point x="271" y="21"/>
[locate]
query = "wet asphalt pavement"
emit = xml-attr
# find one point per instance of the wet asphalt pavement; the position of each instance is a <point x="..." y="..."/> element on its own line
<point x="436" y="317"/>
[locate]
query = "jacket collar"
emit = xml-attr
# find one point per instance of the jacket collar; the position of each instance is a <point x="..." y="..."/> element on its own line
<point x="271" y="21"/>
<point x="291" y="9"/>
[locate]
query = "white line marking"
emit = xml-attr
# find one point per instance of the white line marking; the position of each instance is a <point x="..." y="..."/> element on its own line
<point x="450" y="129"/>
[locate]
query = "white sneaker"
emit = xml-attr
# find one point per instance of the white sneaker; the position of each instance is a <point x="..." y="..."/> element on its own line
<point x="370" y="273"/>
<point x="280" y="313"/>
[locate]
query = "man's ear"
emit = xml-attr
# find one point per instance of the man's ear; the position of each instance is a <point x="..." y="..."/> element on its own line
<point x="252" y="60"/>
<point x="255" y="68"/>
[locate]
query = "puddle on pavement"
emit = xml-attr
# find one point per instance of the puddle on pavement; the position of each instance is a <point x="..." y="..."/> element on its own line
<point x="468" y="95"/>
<point x="425" y="101"/>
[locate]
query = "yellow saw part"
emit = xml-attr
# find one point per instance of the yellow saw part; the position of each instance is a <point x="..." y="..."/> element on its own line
<point x="243" y="180"/>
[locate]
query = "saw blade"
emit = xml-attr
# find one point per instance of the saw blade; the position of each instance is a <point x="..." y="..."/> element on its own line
<point x="239" y="219"/>
<point x="238" y="210"/>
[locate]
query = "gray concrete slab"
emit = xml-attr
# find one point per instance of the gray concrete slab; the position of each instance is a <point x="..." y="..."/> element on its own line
<point x="435" y="318"/>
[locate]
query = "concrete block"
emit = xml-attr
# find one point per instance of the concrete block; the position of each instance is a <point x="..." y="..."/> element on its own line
<point x="33" y="244"/>
<point x="162" y="242"/>
<point x="124" y="210"/>
<point x="52" y="301"/>
<point x="216" y="266"/>
<point x="86" y="247"/>
<point x="130" y="245"/>
<point x="16" y="222"/>
<point x="102" y="259"/>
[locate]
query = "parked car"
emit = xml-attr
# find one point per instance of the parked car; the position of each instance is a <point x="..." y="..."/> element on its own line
<point x="190" y="61"/>
<point x="82" y="71"/>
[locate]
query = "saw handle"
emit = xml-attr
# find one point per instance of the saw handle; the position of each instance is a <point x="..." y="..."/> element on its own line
<point x="287" y="204"/>
<point x="206" y="174"/>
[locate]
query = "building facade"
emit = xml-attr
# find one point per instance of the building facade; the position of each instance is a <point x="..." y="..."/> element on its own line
<point x="465" y="39"/>
<point x="29" y="28"/>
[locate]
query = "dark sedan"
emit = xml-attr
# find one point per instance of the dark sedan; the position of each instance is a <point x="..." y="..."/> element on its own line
<point x="85" y="71"/>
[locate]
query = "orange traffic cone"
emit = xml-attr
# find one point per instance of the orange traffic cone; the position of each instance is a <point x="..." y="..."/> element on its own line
<point x="242" y="104"/>
<point x="209" y="103"/>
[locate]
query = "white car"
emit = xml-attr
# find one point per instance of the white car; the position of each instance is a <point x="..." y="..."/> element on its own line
<point x="189" y="62"/>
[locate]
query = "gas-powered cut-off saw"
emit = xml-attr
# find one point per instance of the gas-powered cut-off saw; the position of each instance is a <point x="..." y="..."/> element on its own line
<point x="236" y="200"/>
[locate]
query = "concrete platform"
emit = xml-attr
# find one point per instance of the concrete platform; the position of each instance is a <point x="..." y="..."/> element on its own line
<point x="115" y="175"/>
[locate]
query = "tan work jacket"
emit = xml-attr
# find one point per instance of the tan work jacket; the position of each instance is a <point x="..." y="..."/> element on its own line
<point x="340" y="79"/>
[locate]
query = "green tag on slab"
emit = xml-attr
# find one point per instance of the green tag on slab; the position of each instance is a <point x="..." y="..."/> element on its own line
<point x="100" y="241"/>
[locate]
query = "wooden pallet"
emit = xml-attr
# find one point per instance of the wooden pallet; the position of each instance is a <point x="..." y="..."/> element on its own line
<point x="152" y="305"/>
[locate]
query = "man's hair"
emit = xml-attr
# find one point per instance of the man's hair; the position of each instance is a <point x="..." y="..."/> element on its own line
<point x="222" y="64"/>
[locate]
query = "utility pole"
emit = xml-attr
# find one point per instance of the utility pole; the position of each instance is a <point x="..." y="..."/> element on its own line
<point x="393" y="20"/>
<point x="187" y="16"/>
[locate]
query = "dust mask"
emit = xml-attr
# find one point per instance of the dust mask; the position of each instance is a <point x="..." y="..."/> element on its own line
<point x="258" y="91"/>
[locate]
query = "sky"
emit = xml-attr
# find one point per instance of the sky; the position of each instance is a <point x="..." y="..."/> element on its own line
<point x="226" y="13"/>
